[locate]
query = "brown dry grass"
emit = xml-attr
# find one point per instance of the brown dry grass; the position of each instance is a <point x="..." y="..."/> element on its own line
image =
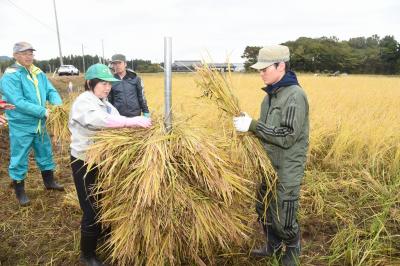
<point x="350" y="197"/>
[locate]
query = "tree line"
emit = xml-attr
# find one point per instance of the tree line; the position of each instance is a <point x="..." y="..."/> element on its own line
<point x="139" y="65"/>
<point x="360" y="55"/>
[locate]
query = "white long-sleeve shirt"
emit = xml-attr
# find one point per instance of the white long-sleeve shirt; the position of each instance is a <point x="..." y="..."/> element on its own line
<point x="88" y="115"/>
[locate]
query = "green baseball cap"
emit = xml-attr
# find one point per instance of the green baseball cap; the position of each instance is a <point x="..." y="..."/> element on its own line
<point x="100" y="71"/>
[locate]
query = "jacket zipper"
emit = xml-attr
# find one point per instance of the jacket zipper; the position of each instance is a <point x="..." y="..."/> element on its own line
<point x="269" y="107"/>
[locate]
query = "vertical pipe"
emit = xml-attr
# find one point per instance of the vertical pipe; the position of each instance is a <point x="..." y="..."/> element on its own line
<point x="58" y="33"/>
<point x="102" y="48"/>
<point x="83" y="60"/>
<point x="167" y="83"/>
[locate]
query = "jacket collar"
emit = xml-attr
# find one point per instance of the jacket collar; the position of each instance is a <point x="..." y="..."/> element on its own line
<point x="97" y="99"/>
<point x="288" y="79"/>
<point x="130" y="74"/>
<point x="32" y="69"/>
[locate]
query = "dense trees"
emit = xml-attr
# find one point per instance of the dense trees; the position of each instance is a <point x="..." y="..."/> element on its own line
<point x="138" y="65"/>
<point x="370" y="55"/>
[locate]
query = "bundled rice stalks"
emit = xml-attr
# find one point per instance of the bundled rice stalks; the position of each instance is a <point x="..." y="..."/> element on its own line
<point x="168" y="198"/>
<point x="58" y="123"/>
<point x="245" y="148"/>
<point x="71" y="198"/>
<point x="58" y="120"/>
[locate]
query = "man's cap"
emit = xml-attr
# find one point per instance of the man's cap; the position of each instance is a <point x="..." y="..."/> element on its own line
<point x="99" y="71"/>
<point x="271" y="54"/>
<point x="118" y="57"/>
<point x="22" y="46"/>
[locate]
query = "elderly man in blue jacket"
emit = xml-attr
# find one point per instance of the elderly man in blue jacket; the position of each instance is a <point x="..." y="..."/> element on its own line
<point x="27" y="87"/>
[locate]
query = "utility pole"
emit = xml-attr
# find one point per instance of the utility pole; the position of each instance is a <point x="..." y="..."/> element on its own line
<point x="102" y="47"/>
<point x="83" y="60"/>
<point x="167" y="84"/>
<point x="58" y="34"/>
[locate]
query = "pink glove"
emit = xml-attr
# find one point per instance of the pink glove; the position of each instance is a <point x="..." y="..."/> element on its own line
<point x="138" y="121"/>
<point x="123" y="121"/>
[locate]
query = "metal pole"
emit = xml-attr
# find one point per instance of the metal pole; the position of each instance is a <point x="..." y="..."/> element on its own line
<point x="58" y="33"/>
<point x="102" y="48"/>
<point x="83" y="60"/>
<point x="168" y="83"/>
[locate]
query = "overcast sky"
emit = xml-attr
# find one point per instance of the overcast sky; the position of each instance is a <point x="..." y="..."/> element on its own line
<point x="221" y="28"/>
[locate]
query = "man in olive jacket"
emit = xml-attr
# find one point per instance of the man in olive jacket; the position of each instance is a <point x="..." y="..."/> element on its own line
<point x="283" y="128"/>
<point x="128" y="94"/>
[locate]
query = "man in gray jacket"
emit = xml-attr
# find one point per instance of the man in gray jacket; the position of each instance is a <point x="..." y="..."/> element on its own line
<point x="283" y="129"/>
<point x="128" y="94"/>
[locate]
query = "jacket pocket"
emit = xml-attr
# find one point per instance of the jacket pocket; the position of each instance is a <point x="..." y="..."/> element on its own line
<point x="273" y="154"/>
<point x="274" y="117"/>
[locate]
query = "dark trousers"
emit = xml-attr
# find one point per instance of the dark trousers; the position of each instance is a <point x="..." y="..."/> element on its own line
<point x="279" y="220"/>
<point x="84" y="182"/>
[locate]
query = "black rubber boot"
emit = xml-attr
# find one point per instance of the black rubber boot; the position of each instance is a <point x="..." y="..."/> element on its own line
<point x="292" y="252"/>
<point x="48" y="181"/>
<point x="266" y="251"/>
<point x="272" y="247"/>
<point x="19" y="187"/>
<point x="88" y="250"/>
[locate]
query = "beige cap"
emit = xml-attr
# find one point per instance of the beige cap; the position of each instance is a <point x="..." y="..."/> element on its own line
<point x="22" y="46"/>
<point x="271" y="54"/>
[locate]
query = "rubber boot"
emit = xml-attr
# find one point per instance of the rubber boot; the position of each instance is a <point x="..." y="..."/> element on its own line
<point x="48" y="181"/>
<point x="292" y="252"/>
<point x="19" y="187"/>
<point x="272" y="247"/>
<point x="88" y="250"/>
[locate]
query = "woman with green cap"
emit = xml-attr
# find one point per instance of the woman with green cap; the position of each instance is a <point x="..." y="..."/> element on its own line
<point x="91" y="112"/>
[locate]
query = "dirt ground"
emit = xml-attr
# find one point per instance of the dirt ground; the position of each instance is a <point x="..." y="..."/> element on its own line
<point x="47" y="231"/>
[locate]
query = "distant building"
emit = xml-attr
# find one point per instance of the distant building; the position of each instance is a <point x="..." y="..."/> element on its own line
<point x="191" y="65"/>
<point x="223" y="67"/>
<point x="185" y="65"/>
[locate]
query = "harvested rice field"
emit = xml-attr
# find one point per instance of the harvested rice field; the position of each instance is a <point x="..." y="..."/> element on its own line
<point x="350" y="200"/>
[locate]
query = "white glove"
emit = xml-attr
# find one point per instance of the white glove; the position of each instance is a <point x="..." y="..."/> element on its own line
<point x="242" y="123"/>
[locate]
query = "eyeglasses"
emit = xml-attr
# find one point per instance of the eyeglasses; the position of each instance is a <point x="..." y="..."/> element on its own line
<point x="26" y="54"/>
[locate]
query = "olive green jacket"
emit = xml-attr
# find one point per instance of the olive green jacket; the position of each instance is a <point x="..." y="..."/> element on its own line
<point x="283" y="128"/>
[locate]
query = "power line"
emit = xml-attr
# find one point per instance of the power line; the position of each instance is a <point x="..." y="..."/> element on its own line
<point x="39" y="21"/>
<point x="27" y="13"/>
<point x="43" y="23"/>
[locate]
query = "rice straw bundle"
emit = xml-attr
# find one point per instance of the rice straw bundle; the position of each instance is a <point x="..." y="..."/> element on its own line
<point x="70" y="197"/>
<point x="169" y="198"/>
<point x="58" y="120"/>
<point x="58" y="123"/>
<point x="246" y="148"/>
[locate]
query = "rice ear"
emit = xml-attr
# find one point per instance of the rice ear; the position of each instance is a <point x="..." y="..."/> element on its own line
<point x="167" y="196"/>
<point x="245" y="147"/>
